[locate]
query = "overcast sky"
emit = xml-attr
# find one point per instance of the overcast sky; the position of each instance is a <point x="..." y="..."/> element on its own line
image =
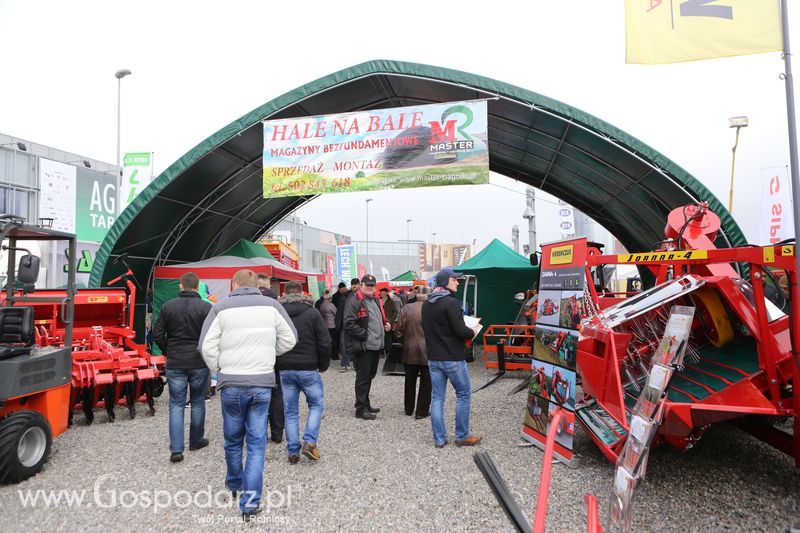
<point x="197" y="66"/>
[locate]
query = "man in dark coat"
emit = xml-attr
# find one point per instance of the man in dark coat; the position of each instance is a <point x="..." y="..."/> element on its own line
<point x="276" y="419"/>
<point x="176" y="333"/>
<point x="364" y="327"/>
<point x="300" y="371"/>
<point x="445" y="333"/>
<point x="344" y="353"/>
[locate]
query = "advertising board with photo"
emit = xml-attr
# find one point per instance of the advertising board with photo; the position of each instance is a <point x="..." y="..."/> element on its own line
<point x="553" y="378"/>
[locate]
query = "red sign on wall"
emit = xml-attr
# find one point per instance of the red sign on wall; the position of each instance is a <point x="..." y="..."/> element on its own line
<point x="329" y="272"/>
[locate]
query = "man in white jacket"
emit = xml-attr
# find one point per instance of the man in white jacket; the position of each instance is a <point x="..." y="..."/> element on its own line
<point x="241" y="337"/>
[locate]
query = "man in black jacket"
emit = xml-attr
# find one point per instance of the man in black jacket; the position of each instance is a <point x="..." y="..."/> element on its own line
<point x="364" y="327"/>
<point x="176" y="333"/>
<point x="344" y="352"/>
<point x="300" y="370"/>
<point x="275" y="420"/>
<point x="445" y="333"/>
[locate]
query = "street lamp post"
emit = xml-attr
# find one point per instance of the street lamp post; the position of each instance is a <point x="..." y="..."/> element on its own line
<point x="119" y="75"/>
<point x="366" y="266"/>
<point x="434" y="238"/>
<point x="408" y="239"/>
<point x="738" y="123"/>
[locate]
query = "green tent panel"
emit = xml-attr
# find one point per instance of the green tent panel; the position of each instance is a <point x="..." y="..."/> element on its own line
<point x="247" y="249"/>
<point x="164" y="290"/>
<point x="408" y="275"/>
<point x="501" y="274"/>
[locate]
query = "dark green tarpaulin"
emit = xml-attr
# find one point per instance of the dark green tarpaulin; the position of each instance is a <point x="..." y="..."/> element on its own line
<point x="212" y="196"/>
<point x="501" y="274"/>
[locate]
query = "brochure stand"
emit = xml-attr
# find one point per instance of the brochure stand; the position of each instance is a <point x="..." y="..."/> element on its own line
<point x="647" y="414"/>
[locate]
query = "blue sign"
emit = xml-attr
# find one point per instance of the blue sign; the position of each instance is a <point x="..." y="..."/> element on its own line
<point x="346" y="262"/>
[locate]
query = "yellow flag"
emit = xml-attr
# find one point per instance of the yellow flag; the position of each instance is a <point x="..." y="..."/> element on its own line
<point x="670" y="31"/>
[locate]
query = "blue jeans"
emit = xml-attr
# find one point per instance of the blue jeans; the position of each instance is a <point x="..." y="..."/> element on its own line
<point x="310" y="382"/>
<point x="244" y="419"/>
<point x="456" y="372"/>
<point x="344" y="357"/>
<point x="178" y="380"/>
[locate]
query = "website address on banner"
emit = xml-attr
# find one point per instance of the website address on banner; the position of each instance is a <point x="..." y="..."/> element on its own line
<point x="105" y="495"/>
<point x="430" y="177"/>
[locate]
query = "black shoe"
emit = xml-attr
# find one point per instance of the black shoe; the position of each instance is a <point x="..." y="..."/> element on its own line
<point x="420" y="417"/>
<point x="374" y="409"/>
<point x="250" y="515"/>
<point x="176" y="457"/>
<point x="277" y="438"/>
<point x="409" y="413"/>
<point x="200" y="445"/>
<point x="366" y="415"/>
<point x="442" y="445"/>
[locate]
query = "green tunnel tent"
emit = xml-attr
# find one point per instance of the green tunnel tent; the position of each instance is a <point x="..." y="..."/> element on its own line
<point x="501" y="273"/>
<point x="212" y="196"/>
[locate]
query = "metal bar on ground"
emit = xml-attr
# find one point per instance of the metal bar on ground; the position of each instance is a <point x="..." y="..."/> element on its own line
<point x="501" y="492"/>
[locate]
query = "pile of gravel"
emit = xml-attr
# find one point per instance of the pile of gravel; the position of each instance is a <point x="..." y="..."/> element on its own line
<point x="387" y="475"/>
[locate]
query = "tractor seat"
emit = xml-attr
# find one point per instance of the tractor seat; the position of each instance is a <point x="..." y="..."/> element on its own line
<point x="16" y="331"/>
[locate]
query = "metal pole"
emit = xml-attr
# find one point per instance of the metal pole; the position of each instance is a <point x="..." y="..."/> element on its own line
<point x="119" y="170"/>
<point x="795" y="180"/>
<point x="408" y="238"/>
<point x="790" y="109"/>
<point x="366" y="261"/>
<point x="733" y="165"/>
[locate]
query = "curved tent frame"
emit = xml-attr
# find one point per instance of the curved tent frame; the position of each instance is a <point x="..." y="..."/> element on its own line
<point x="212" y="196"/>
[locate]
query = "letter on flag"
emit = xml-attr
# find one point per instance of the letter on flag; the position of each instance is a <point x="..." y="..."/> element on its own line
<point x="671" y="31"/>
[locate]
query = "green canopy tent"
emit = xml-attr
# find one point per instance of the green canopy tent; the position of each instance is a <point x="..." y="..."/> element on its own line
<point x="248" y="249"/>
<point x="501" y="273"/>
<point x="408" y="275"/>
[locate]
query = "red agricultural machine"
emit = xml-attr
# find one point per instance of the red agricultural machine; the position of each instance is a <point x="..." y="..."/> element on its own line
<point x="739" y="361"/>
<point x="742" y="362"/>
<point x="62" y="350"/>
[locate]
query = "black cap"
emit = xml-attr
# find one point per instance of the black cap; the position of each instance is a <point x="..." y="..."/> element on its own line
<point x="355" y="281"/>
<point x="369" y="279"/>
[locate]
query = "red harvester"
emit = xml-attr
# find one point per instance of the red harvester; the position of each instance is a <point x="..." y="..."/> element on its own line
<point x="742" y="363"/>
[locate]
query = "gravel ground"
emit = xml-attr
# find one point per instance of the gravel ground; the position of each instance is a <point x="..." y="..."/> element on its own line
<point x="386" y="475"/>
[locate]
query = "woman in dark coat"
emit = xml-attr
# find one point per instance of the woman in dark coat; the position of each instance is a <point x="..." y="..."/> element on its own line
<point x="415" y="356"/>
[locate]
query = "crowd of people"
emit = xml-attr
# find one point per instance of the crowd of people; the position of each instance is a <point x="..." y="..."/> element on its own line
<point x="266" y="350"/>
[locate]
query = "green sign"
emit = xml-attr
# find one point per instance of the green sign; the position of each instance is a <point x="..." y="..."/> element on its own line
<point x="96" y="205"/>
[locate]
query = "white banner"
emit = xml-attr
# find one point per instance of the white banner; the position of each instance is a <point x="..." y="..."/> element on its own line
<point x="566" y="219"/>
<point x="136" y="175"/>
<point x="776" y="206"/>
<point x="57" y="198"/>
